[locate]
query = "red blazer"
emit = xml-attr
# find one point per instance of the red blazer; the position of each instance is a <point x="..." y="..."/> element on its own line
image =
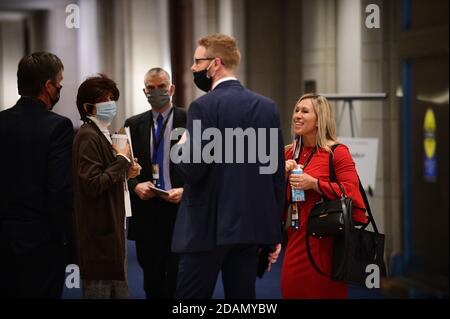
<point x="346" y="174"/>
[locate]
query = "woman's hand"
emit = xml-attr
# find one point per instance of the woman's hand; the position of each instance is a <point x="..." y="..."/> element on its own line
<point x="126" y="151"/>
<point x="303" y="181"/>
<point x="134" y="170"/>
<point x="290" y="165"/>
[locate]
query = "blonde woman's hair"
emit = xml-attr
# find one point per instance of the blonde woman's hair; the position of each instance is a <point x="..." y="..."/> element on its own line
<point x="224" y="47"/>
<point x="326" y="125"/>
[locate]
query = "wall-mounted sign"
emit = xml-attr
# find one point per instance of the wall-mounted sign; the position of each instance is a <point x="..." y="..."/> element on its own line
<point x="429" y="145"/>
<point x="365" y="154"/>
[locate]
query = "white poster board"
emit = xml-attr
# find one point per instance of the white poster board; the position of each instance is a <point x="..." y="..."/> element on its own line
<point x="365" y="154"/>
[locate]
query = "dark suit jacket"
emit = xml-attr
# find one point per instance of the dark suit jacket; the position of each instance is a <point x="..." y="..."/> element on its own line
<point x="99" y="205"/>
<point x="35" y="175"/>
<point x="230" y="203"/>
<point x="149" y="216"/>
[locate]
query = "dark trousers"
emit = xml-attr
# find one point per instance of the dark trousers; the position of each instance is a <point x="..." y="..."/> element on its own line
<point x="38" y="273"/>
<point x="160" y="267"/>
<point x="197" y="274"/>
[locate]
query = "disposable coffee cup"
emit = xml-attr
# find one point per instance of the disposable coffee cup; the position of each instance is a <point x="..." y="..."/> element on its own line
<point x="119" y="140"/>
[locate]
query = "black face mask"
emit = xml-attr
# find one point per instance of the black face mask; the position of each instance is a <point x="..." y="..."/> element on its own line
<point x="55" y="100"/>
<point x="202" y="80"/>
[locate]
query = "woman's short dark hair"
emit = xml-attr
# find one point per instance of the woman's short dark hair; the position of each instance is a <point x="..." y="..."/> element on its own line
<point x="95" y="89"/>
<point x="34" y="70"/>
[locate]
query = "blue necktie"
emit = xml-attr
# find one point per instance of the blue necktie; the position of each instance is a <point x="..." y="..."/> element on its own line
<point x="160" y="150"/>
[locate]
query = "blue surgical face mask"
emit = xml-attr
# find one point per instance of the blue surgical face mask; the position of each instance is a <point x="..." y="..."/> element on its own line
<point x="106" y="111"/>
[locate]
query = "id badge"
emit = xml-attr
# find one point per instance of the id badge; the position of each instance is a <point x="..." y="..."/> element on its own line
<point x="155" y="172"/>
<point x="294" y="216"/>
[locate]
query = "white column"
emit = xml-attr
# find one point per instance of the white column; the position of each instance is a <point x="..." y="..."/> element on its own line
<point x="147" y="38"/>
<point x="231" y="20"/>
<point x="88" y="40"/>
<point x="203" y="23"/>
<point x="11" y="51"/>
<point x="318" y="23"/>
<point x="349" y="24"/>
<point x="163" y="7"/>
<point x="63" y="42"/>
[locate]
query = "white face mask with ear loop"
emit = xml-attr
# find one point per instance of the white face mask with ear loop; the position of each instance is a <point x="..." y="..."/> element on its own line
<point x="106" y="111"/>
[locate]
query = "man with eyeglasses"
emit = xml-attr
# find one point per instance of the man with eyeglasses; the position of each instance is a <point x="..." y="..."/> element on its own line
<point x="35" y="184"/>
<point x="228" y="210"/>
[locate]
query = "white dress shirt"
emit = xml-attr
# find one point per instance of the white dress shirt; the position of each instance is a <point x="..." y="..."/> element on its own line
<point x="228" y="78"/>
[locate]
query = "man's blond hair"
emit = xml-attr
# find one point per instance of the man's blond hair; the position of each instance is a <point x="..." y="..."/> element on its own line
<point x="222" y="46"/>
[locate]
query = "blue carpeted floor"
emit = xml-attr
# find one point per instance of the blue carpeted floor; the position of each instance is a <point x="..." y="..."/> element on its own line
<point x="266" y="288"/>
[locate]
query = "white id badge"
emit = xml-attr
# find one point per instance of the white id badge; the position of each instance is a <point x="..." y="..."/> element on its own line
<point x="155" y="172"/>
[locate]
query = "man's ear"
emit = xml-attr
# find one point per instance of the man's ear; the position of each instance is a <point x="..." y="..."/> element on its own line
<point x="172" y="89"/>
<point x="47" y="86"/>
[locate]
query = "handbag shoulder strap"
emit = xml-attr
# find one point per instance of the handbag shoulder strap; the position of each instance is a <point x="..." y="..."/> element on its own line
<point x="331" y="164"/>
<point x="346" y="217"/>
<point x="311" y="259"/>
<point x="361" y="189"/>
<point x="331" y="170"/>
<point x="369" y="211"/>
<point x="348" y="223"/>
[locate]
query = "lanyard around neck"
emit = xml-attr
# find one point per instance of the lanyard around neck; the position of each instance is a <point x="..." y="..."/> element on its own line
<point x="297" y="155"/>
<point x="157" y="140"/>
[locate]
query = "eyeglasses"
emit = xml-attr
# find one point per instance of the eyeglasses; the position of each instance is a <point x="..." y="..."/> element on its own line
<point x="197" y="61"/>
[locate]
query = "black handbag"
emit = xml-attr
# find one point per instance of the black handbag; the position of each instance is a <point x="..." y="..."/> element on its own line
<point x="354" y="247"/>
<point x="327" y="217"/>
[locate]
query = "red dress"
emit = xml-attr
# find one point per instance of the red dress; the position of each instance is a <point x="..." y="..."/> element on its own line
<point x="298" y="277"/>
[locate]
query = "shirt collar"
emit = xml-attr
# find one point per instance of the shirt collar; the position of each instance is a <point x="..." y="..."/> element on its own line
<point x="164" y="114"/>
<point x="103" y="127"/>
<point x="227" y="78"/>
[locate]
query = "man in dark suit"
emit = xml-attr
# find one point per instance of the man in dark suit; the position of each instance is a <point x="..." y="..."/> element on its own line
<point x="229" y="207"/>
<point x="35" y="184"/>
<point x="151" y="225"/>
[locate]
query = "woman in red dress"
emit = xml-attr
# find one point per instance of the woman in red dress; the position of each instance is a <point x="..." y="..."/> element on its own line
<point x="315" y="130"/>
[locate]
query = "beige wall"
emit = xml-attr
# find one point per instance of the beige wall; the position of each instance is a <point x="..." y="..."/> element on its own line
<point x="274" y="56"/>
<point x="380" y="119"/>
